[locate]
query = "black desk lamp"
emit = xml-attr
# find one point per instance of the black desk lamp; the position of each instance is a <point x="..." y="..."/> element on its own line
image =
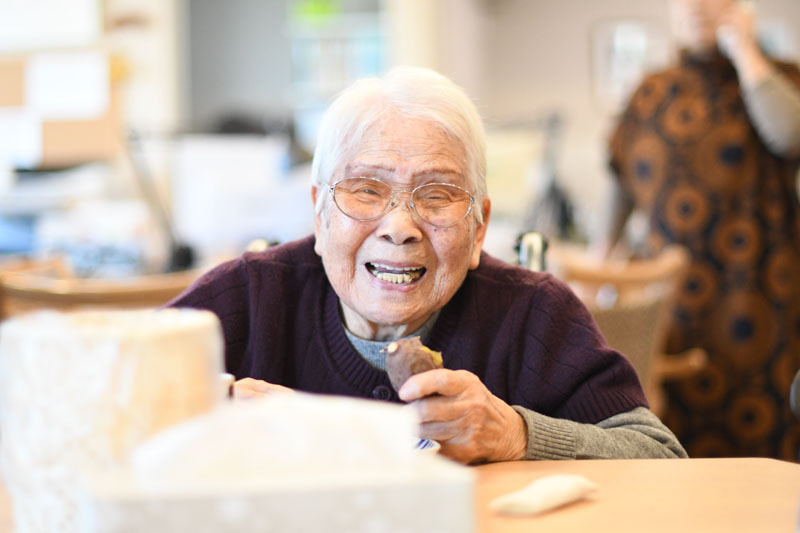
<point x="181" y="256"/>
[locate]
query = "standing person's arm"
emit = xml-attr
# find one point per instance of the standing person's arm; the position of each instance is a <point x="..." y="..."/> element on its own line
<point x="772" y="101"/>
<point x="774" y="107"/>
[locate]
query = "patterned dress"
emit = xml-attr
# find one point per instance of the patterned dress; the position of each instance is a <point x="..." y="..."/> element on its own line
<point x="689" y="157"/>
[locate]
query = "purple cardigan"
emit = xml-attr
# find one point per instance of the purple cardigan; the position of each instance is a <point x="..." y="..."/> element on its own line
<point x="525" y="334"/>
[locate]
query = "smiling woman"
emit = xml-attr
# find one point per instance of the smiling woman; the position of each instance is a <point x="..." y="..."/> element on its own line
<point x="406" y="151"/>
<point x="400" y="217"/>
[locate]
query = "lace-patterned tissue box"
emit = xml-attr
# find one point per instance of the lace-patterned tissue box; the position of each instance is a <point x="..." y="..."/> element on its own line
<point x="79" y="390"/>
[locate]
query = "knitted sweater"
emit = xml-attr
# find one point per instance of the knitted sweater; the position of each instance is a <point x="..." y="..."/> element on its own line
<point x="524" y="334"/>
<point x="528" y="338"/>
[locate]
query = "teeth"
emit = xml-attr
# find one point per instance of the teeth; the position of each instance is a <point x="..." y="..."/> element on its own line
<point x="395" y="278"/>
<point x="395" y="274"/>
<point x="387" y="267"/>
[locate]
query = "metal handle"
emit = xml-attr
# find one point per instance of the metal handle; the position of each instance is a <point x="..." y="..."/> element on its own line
<point x="532" y="247"/>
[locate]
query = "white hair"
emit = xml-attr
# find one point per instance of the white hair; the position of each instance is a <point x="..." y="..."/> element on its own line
<point x="412" y="92"/>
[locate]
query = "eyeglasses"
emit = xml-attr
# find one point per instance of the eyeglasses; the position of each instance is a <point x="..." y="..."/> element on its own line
<point x="438" y="204"/>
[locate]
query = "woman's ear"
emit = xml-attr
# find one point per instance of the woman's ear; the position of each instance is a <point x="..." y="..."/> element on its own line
<point x="317" y="227"/>
<point x="480" y="235"/>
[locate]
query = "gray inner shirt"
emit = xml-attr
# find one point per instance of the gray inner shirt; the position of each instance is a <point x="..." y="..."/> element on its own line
<point x="371" y="350"/>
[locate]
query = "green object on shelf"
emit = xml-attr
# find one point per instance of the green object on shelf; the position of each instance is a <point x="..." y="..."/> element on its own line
<point x="315" y="11"/>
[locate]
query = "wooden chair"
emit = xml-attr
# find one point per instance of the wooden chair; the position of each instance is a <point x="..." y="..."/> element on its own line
<point x="29" y="285"/>
<point x="630" y="301"/>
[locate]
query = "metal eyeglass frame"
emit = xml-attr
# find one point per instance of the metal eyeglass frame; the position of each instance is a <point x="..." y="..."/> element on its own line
<point x="392" y="203"/>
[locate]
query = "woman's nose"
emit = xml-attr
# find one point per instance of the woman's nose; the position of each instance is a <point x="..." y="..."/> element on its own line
<point x="399" y="224"/>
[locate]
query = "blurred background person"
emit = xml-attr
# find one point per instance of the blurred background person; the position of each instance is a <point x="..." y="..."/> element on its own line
<point x="709" y="149"/>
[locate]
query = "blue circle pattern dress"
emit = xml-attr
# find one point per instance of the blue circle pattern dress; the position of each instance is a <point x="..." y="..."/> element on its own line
<point x="687" y="154"/>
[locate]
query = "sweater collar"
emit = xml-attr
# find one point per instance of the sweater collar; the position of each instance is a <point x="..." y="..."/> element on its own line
<point x="372" y="351"/>
<point x="353" y="368"/>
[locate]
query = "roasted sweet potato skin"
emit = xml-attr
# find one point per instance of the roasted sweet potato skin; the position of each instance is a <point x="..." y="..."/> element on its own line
<point x="406" y="357"/>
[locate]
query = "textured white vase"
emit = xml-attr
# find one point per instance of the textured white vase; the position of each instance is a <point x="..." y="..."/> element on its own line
<point x="80" y="390"/>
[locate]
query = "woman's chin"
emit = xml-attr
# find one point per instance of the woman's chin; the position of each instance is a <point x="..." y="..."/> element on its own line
<point x="406" y="322"/>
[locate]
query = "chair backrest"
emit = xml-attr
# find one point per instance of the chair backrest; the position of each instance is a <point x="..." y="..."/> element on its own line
<point x="30" y="285"/>
<point x="630" y="301"/>
<point x="611" y="283"/>
<point x="794" y="395"/>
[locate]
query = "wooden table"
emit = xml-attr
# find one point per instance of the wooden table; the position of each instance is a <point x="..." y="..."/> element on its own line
<point x="673" y="495"/>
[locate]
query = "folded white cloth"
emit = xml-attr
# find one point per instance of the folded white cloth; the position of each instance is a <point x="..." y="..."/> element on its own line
<point x="543" y="494"/>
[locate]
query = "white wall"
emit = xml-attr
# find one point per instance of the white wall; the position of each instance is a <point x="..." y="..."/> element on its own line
<point x="239" y="59"/>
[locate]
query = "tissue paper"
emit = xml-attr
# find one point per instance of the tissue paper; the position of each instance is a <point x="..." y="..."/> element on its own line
<point x="543" y="494"/>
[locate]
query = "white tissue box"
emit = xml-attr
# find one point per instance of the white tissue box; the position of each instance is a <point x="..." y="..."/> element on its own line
<point x="431" y="495"/>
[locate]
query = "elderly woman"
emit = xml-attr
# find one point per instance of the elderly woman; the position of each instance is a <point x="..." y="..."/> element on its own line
<point x="400" y="216"/>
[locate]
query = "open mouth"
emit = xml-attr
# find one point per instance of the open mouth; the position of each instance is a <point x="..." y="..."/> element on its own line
<point x="395" y="274"/>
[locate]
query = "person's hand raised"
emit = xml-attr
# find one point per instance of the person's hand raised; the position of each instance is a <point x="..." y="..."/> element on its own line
<point x="459" y="412"/>
<point x="736" y="30"/>
<point x="737" y="39"/>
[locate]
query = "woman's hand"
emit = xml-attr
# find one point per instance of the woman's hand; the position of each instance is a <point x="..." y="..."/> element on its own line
<point x="248" y="388"/>
<point x="736" y="29"/>
<point x="472" y="424"/>
<point x="737" y="38"/>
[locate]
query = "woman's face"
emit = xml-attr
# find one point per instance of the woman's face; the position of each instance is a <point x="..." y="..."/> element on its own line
<point x="356" y="254"/>
<point x="694" y="22"/>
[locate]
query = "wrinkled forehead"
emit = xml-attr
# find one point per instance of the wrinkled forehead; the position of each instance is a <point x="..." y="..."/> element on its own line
<point x="398" y="147"/>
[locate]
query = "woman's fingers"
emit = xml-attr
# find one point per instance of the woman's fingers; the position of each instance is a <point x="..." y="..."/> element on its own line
<point x="472" y="425"/>
<point x="442" y="381"/>
<point x="247" y="388"/>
